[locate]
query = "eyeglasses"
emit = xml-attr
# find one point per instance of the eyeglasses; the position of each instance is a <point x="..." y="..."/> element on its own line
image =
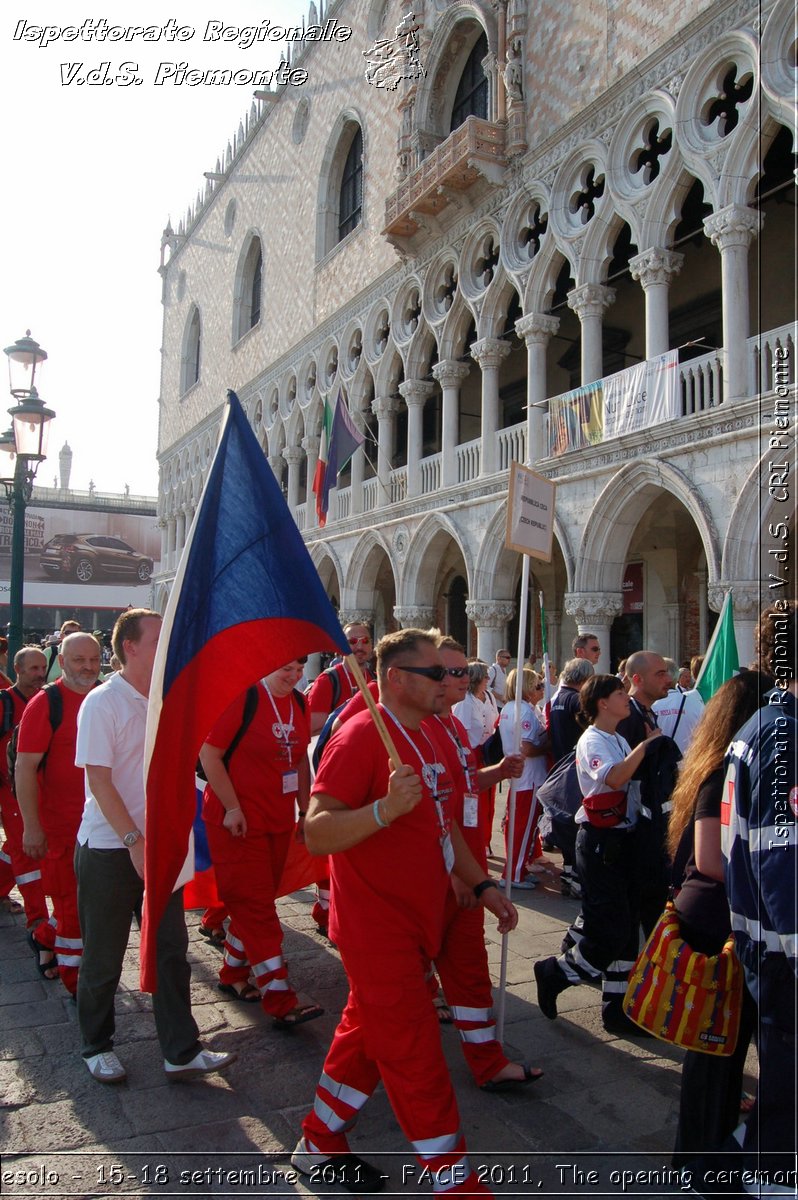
<point x="361" y="641"/>
<point x="457" y="672"/>
<point x="436" y="673"/>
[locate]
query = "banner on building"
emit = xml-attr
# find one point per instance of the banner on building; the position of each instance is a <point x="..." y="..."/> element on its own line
<point x="637" y="398"/>
<point x="530" y="513"/>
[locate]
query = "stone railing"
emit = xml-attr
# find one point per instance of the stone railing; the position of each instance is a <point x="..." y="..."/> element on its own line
<point x="771" y="360"/>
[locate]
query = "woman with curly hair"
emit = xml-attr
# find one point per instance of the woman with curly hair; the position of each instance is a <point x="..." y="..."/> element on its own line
<point x="711" y="1086"/>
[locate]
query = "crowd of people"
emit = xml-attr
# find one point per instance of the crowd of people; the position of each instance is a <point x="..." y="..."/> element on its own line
<point x="666" y="797"/>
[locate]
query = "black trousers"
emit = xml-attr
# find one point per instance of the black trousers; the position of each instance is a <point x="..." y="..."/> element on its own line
<point x="110" y="893"/>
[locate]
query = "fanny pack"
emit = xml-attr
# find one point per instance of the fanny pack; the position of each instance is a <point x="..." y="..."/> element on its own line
<point x="605" y="810"/>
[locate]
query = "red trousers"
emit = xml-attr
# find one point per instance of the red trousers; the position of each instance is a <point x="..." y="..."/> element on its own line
<point x="462" y="966"/>
<point x="248" y="871"/>
<point x="527" y="815"/>
<point x="62" y="932"/>
<point x="389" y="1031"/>
<point x="16" y="867"/>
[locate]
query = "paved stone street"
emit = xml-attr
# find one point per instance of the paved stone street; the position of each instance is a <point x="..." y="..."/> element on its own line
<point x="605" y="1105"/>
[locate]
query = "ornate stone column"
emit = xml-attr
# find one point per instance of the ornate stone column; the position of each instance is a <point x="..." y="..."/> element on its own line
<point x="749" y="597"/>
<point x="489" y="352"/>
<point x="450" y="374"/>
<point x="536" y="329"/>
<point x="277" y="464"/>
<point x="594" y="613"/>
<point x="310" y="444"/>
<point x="356" y="616"/>
<point x="358" y="468"/>
<point x="180" y="534"/>
<point x="654" y="269"/>
<point x="293" y="456"/>
<point x="414" y="616"/>
<point x="732" y="230"/>
<point x="554" y="631"/>
<point x="589" y="302"/>
<point x="415" y="393"/>
<point x="490" y="618"/>
<point x="171" y="544"/>
<point x="385" y="409"/>
<point x="673" y="615"/>
<point x="703" y="610"/>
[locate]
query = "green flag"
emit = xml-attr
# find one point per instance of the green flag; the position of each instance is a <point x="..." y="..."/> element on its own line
<point x="721" y="660"/>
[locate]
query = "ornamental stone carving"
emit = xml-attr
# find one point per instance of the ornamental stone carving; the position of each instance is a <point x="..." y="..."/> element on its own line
<point x="490" y="352"/>
<point x="384" y="407"/>
<point x="401" y="542"/>
<point x="414" y="616"/>
<point x="416" y="391"/>
<point x="292" y="455"/>
<point x="594" y="608"/>
<point x="655" y="266"/>
<point x="537" y="327"/>
<point x="490" y="614"/>
<point x="310" y="444"/>
<point x="735" y="225"/>
<point x="356" y="616"/>
<point x="749" y="597"/>
<point x="450" y="372"/>
<point x="591" y="300"/>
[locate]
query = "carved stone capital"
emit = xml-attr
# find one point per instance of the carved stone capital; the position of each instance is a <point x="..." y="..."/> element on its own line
<point x="384" y="407"/>
<point x="310" y="444"/>
<point x="735" y="225"/>
<point x="450" y="372"/>
<point x="356" y="616"/>
<point x="292" y="455"/>
<point x="593" y="608"/>
<point x="414" y="616"/>
<point x="537" y="327"/>
<point x="655" y="266"/>
<point x="277" y="463"/>
<point x="490" y="614"/>
<point x="489" y="352"/>
<point x="748" y="597"/>
<point x="591" y="300"/>
<point x="416" y="392"/>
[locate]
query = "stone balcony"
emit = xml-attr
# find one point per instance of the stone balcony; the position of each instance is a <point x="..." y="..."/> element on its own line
<point x="474" y="152"/>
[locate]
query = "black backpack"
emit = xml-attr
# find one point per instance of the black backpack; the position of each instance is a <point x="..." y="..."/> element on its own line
<point x="560" y="793"/>
<point x="55" y="704"/>
<point x="250" y="708"/>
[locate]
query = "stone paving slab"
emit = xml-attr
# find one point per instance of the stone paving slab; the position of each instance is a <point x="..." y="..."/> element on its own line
<point x="605" y="1104"/>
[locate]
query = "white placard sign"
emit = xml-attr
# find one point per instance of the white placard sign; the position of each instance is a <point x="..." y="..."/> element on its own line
<point x="530" y="513"/>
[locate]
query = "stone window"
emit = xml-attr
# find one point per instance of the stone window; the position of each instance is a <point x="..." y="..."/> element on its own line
<point x="248" y="289"/>
<point x="471" y="97"/>
<point x="192" y="344"/>
<point x="350" y="202"/>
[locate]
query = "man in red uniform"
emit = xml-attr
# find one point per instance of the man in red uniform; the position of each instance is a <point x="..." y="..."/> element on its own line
<point x="249" y="812"/>
<point x="50" y="790"/>
<point x="393" y="843"/>
<point x="30" y="668"/>
<point x="462" y="963"/>
<point x="328" y="691"/>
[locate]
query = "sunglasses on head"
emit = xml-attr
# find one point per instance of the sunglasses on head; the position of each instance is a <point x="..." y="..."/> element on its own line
<point x="361" y="641"/>
<point x="436" y="673"/>
<point x="457" y="672"/>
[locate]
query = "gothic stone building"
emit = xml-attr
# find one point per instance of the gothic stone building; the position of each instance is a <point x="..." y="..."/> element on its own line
<point x="566" y="190"/>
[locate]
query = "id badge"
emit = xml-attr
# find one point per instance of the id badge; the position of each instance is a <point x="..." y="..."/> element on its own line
<point x="290" y="782"/>
<point x="470" y="811"/>
<point x="448" y="852"/>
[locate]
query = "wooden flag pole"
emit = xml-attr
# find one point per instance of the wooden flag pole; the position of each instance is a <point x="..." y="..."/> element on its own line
<point x="376" y="715"/>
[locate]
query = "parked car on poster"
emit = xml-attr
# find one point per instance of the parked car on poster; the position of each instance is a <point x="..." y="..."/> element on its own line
<point x="87" y="556"/>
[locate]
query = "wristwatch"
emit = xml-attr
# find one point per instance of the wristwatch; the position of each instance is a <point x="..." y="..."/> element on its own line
<point x="131" y="838"/>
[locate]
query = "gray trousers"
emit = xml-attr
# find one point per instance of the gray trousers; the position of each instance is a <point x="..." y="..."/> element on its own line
<point x="109" y="893"/>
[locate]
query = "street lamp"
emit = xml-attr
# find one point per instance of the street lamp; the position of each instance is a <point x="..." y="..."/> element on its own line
<point x="22" y="448"/>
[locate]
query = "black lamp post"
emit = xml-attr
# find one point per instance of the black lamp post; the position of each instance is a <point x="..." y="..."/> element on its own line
<point x="22" y="448"/>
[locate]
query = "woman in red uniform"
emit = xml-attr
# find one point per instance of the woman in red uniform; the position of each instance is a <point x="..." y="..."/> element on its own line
<point x="249" y="809"/>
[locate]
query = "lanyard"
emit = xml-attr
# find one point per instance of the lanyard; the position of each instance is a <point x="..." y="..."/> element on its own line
<point x="428" y="771"/>
<point x="451" y="731"/>
<point x="279" y="729"/>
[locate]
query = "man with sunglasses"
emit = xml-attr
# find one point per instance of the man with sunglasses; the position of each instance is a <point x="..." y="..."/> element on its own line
<point x="329" y="690"/>
<point x="393" y="843"/>
<point x="462" y="964"/>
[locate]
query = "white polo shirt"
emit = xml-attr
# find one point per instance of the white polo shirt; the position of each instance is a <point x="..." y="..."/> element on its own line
<point x="667" y="711"/>
<point x="111" y="734"/>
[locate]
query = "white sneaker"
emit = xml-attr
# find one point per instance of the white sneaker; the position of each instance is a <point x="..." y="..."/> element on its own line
<point x="106" y="1067"/>
<point x="201" y="1064"/>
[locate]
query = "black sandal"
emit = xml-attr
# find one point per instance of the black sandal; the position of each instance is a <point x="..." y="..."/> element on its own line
<point x="43" y="967"/>
<point x="298" y="1016"/>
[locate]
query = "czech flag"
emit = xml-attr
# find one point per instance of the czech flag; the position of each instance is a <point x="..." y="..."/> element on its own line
<point x="246" y="600"/>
